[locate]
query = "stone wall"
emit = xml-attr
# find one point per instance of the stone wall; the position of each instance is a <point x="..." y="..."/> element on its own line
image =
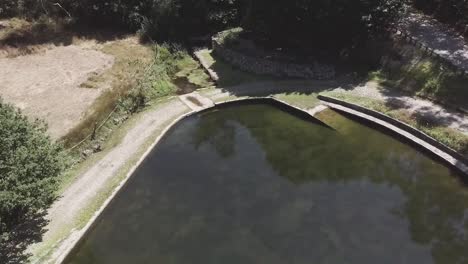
<point x="257" y="65"/>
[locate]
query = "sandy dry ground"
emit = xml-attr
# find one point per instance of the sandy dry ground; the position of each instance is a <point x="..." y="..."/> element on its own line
<point x="47" y="85"/>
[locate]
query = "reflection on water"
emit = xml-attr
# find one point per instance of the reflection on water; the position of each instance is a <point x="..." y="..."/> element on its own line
<point x="254" y="184"/>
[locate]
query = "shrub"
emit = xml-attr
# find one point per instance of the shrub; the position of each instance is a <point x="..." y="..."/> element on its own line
<point x="29" y="168"/>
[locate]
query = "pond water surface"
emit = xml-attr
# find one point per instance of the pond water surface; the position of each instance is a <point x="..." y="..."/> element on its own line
<point x="255" y="184"/>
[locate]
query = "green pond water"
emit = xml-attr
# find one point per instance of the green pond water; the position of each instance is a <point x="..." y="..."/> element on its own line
<point x="255" y="184"/>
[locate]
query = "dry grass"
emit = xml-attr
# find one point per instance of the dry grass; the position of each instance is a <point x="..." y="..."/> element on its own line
<point x="19" y="37"/>
<point x="131" y="58"/>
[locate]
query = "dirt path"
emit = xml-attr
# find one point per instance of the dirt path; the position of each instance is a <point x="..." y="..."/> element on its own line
<point x="88" y="185"/>
<point x="47" y="85"/>
<point x="437" y="36"/>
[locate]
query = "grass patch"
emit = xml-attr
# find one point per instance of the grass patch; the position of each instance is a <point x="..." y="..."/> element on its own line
<point x="190" y="69"/>
<point x="448" y="136"/>
<point x="303" y="101"/>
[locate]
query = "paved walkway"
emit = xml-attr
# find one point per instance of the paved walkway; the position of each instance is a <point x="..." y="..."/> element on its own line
<point x="437" y="36"/>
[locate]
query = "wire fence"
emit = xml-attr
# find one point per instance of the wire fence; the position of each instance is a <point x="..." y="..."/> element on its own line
<point x="408" y="38"/>
<point x="95" y="129"/>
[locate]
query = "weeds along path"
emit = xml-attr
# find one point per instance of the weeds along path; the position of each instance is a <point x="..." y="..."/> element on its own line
<point x="84" y="193"/>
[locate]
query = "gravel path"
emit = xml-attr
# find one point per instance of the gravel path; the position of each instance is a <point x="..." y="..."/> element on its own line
<point x="437" y="36"/>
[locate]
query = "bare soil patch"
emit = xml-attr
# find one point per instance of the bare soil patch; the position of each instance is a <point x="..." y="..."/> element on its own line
<point x="47" y="85"/>
<point x="70" y="77"/>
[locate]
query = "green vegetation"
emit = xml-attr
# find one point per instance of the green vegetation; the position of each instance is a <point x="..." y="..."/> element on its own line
<point x="449" y="136"/>
<point x="410" y="70"/>
<point x="140" y="76"/>
<point x="30" y="165"/>
<point x="306" y="25"/>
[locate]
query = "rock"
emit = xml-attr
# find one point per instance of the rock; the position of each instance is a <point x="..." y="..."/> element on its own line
<point x="87" y="153"/>
<point x="97" y="147"/>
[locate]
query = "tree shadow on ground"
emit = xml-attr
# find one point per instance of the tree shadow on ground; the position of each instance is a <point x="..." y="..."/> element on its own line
<point x="25" y="36"/>
<point x="29" y="231"/>
<point x="240" y="83"/>
<point x="424" y="111"/>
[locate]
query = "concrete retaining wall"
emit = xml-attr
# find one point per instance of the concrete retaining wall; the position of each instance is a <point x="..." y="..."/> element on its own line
<point x="417" y="133"/>
<point x="256" y="65"/>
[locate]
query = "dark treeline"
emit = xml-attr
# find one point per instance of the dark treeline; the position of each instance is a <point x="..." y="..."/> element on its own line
<point x="326" y="23"/>
<point x="319" y="23"/>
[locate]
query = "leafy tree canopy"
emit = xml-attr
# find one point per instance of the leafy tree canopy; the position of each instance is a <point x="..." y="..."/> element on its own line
<point x="319" y="23"/>
<point x="29" y="166"/>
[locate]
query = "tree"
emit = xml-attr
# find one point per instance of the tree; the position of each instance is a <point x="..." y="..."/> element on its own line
<point x="29" y="168"/>
<point x="320" y="23"/>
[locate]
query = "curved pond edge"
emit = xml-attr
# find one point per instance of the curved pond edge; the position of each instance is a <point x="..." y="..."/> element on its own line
<point x="371" y="116"/>
<point x="447" y="154"/>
